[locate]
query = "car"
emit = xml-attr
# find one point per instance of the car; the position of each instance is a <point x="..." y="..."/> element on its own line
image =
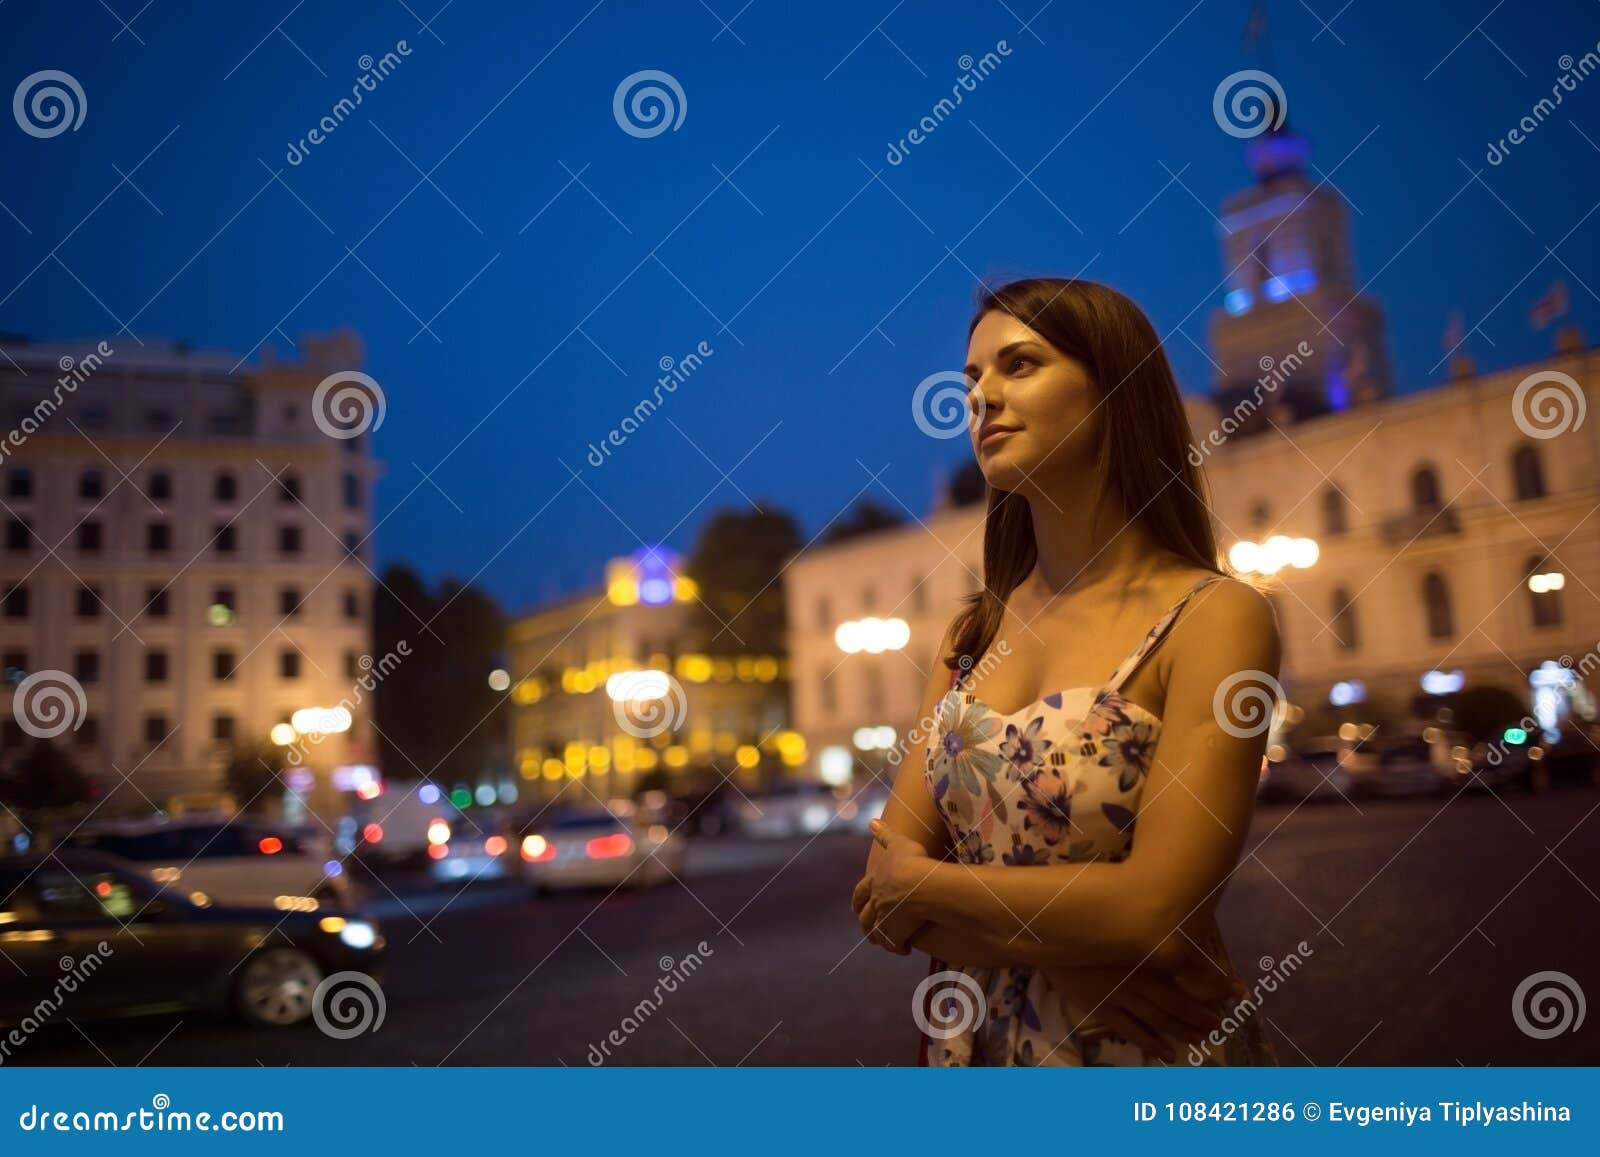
<point x="1498" y="767"/>
<point x="794" y="808"/>
<point x="600" y="846"/>
<point x="1313" y="771"/>
<point x="468" y="856"/>
<point x="233" y="860"/>
<point x="129" y="945"/>
<point x="400" y="824"/>
<point x="1407" y="765"/>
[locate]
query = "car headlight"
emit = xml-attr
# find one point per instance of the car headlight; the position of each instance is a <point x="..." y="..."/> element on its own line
<point x="355" y="933"/>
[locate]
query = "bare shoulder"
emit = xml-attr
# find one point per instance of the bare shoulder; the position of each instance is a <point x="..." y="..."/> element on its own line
<point x="1228" y="625"/>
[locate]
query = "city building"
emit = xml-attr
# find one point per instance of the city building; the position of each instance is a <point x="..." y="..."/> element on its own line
<point x="183" y="567"/>
<point x="1414" y="543"/>
<point x="611" y="695"/>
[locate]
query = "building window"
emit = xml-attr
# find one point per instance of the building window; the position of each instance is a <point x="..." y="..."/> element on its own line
<point x="289" y="490"/>
<point x="86" y="666"/>
<point x="824" y="614"/>
<point x="19" y="482"/>
<point x="88" y="602"/>
<point x="288" y="540"/>
<point x="289" y="664"/>
<point x="159" y="418"/>
<point x="1425" y="489"/>
<point x="224" y="665"/>
<point x="155" y="666"/>
<point x="14" y="666"/>
<point x="19" y="535"/>
<point x="1527" y="473"/>
<point x="1436" y="603"/>
<point x="352" y="665"/>
<point x="873" y="677"/>
<point x="826" y="695"/>
<point x="157" y="603"/>
<point x="1345" y="631"/>
<point x="1335" y="515"/>
<point x="91" y="484"/>
<point x="222" y="728"/>
<point x="15" y="603"/>
<point x="160" y="485"/>
<point x="225" y="487"/>
<point x="352" y="491"/>
<point x="91" y="538"/>
<point x="225" y="598"/>
<point x="88" y="733"/>
<point x="158" y="537"/>
<point x="94" y="417"/>
<point x="1260" y="513"/>
<point x="226" y="539"/>
<point x="352" y="605"/>
<point x="919" y="596"/>
<point x="1543" y="601"/>
<point x="352" y="544"/>
<point x="289" y="602"/>
<point x="155" y="730"/>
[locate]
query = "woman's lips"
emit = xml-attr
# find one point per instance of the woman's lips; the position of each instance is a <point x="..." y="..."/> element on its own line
<point x="991" y="436"/>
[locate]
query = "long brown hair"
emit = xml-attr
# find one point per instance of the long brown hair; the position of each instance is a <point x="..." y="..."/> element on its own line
<point x="1142" y="459"/>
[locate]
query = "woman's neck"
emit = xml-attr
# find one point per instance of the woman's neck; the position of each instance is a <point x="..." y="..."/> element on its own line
<point x="1082" y="545"/>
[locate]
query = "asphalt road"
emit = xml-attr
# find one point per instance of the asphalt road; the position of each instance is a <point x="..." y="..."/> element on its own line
<point x="1422" y="918"/>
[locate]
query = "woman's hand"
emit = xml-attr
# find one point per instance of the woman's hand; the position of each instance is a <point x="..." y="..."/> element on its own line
<point x="882" y="900"/>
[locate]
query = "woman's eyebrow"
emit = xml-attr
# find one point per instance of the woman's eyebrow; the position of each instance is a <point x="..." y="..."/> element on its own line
<point x="1005" y="351"/>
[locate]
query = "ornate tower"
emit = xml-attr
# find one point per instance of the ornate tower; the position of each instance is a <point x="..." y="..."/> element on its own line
<point x="1290" y="280"/>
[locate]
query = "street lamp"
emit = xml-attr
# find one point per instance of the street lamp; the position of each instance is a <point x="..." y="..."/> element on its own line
<point x="1274" y="554"/>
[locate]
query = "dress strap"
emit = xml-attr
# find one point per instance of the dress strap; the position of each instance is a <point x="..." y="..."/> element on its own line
<point x="1154" y="636"/>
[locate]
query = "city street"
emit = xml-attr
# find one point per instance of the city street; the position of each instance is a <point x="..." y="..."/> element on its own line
<point x="1422" y="915"/>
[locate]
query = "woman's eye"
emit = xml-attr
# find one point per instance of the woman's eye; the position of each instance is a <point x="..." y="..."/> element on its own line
<point x="1020" y="361"/>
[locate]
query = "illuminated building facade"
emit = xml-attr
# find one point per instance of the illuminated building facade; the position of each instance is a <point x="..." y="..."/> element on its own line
<point x="611" y="697"/>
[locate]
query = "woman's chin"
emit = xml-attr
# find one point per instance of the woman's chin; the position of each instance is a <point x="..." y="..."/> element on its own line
<point x="1002" y="472"/>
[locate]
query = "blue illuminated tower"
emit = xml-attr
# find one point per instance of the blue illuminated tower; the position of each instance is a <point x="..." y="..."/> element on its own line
<point x="1290" y="279"/>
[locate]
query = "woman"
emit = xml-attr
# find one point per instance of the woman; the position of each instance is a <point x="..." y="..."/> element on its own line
<point x="1098" y="557"/>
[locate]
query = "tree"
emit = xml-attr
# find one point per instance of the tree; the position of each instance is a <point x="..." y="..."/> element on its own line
<point x="864" y="518"/>
<point x="45" y="776"/>
<point x="737" y="562"/>
<point x="254" y="776"/>
<point x="1485" y="712"/>
<point x="968" y="486"/>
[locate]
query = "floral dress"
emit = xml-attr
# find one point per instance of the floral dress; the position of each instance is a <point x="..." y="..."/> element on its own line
<point x="1057" y="780"/>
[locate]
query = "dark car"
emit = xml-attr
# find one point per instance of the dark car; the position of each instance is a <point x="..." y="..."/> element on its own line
<point x="91" y="937"/>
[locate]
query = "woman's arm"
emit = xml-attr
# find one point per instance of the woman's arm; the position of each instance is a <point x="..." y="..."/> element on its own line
<point x="1192" y="820"/>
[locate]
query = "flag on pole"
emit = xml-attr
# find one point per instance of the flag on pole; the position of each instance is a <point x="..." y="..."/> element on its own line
<point x="1455" y="332"/>
<point x="1549" y="307"/>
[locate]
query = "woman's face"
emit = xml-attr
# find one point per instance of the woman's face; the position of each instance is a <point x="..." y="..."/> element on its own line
<point x="1039" y="424"/>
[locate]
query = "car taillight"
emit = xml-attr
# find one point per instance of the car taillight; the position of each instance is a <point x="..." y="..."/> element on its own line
<point x="372" y="833"/>
<point x="438" y="851"/>
<point x="438" y="833"/>
<point x="609" y="847"/>
<point x="270" y="845"/>
<point x="495" y="846"/>
<point x="537" y="849"/>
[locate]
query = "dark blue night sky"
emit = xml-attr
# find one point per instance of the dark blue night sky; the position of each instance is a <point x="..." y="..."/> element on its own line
<point x="557" y="259"/>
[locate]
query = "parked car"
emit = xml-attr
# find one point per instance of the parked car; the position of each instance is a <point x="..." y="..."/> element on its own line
<point x="594" y="847"/>
<point x="795" y="808"/>
<point x="1407" y="765"/>
<point x="400" y="824"/>
<point x="1313" y="771"/>
<point x="469" y="856"/>
<point x="1500" y="766"/>
<point x="233" y="860"/>
<point x="131" y="946"/>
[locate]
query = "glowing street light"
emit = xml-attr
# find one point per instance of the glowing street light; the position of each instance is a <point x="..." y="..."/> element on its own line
<point x="872" y="635"/>
<point x="1273" y="555"/>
